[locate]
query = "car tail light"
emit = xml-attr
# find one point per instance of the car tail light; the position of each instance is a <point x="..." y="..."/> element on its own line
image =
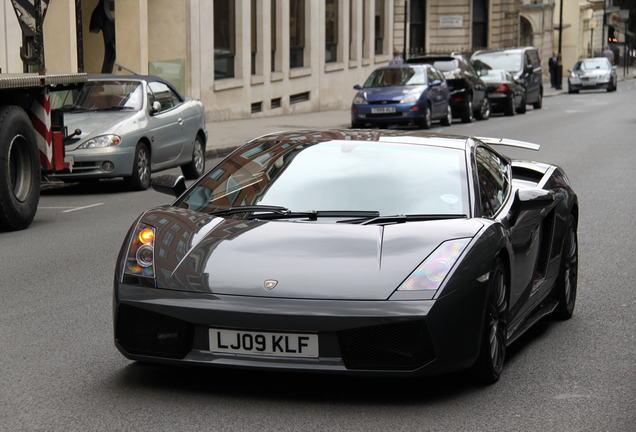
<point x="501" y="89"/>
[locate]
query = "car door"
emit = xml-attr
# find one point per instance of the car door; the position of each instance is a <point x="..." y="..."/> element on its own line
<point x="479" y="87"/>
<point x="165" y="124"/>
<point x="532" y="77"/>
<point x="436" y="95"/>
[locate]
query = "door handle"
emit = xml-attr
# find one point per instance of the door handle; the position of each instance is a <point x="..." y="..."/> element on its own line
<point x="180" y="121"/>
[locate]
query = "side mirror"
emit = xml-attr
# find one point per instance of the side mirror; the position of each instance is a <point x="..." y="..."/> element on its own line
<point x="435" y="83"/>
<point x="357" y="87"/>
<point x="170" y="184"/>
<point x="156" y="107"/>
<point x="529" y="199"/>
<point x="570" y="70"/>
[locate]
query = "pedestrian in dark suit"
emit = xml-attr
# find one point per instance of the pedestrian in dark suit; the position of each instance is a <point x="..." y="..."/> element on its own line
<point x="552" y="65"/>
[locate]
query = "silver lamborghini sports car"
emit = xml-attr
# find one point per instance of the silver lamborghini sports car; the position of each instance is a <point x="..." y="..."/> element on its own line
<point x="372" y="252"/>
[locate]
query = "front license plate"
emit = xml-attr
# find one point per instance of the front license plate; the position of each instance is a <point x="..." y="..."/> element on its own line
<point x="261" y="343"/>
<point x="382" y="110"/>
<point x="588" y="83"/>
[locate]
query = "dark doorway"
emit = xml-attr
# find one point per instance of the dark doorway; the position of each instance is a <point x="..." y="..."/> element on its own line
<point x="417" y="24"/>
<point x="480" y="24"/>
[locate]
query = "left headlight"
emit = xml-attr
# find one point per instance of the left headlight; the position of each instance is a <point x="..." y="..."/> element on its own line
<point x="429" y="275"/>
<point x="413" y="97"/>
<point x="101" y="141"/>
<point x="140" y="260"/>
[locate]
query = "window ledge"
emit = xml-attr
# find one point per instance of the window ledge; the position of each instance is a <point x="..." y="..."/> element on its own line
<point x="257" y="79"/>
<point x="353" y="63"/>
<point x="277" y="76"/>
<point x="227" y="84"/>
<point x="332" y="67"/>
<point x="299" y="72"/>
<point x="366" y="62"/>
<point x="382" y="58"/>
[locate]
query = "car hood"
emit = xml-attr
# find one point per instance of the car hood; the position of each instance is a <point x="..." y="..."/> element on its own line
<point x="394" y="93"/>
<point x="307" y="260"/>
<point x="94" y="124"/>
<point x="592" y="73"/>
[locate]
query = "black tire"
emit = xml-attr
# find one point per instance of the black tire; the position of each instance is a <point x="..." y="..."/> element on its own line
<point x="140" y="176"/>
<point x="426" y="122"/>
<point x="568" y="273"/>
<point x="196" y="167"/>
<point x="539" y="103"/>
<point x="357" y="124"/>
<point x="572" y="91"/>
<point x="447" y="120"/>
<point x="493" y="341"/>
<point x="467" y="111"/>
<point x="484" y="112"/>
<point x="511" y="109"/>
<point x="19" y="169"/>
<point x="522" y="108"/>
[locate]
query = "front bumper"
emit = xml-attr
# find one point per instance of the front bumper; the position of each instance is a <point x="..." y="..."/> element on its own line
<point x="90" y="163"/>
<point x="355" y="337"/>
<point x="404" y="113"/>
<point x="591" y="84"/>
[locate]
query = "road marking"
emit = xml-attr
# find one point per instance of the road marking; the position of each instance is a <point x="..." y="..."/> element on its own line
<point x="82" y="208"/>
<point x="576" y="111"/>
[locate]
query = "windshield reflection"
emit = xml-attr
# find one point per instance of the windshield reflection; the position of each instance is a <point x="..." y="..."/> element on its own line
<point x="329" y="171"/>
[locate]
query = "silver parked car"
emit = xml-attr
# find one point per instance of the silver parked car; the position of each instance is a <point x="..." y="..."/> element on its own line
<point x="592" y="73"/>
<point x="130" y="126"/>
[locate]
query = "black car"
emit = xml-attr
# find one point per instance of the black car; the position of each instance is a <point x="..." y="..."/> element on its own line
<point x="468" y="92"/>
<point x="523" y="64"/>
<point x="506" y="95"/>
<point x="364" y="252"/>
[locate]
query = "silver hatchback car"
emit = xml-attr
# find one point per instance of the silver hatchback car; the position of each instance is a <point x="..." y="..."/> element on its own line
<point x="130" y="126"/>
<point x="592" y="73"/>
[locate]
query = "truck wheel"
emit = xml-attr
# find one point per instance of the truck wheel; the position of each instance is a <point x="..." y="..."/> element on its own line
<point x="19" y="169"/>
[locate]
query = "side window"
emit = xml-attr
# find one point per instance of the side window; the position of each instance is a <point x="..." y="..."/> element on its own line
<point x="163" y="94"/>
<point x="493" y="181"/>
<point x="536" y="61"/>
<point x="431" y="75"/>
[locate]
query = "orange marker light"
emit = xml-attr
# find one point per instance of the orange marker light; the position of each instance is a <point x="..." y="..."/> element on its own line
<point x="146" y="236"/>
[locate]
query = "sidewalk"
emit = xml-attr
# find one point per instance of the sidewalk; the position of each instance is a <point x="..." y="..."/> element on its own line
<point x="225" y="136"/>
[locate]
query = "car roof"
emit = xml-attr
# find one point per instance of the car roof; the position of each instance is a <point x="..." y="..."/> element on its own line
<point x="408" y="137"/>
<point x="503" y="50"/>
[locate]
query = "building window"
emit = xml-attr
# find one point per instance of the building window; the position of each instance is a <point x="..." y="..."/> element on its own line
<point x="224" y="39"/>
<point x="331" y="31"/>
<point x="379" y="27"/>
<point x="273" y="32"/>
<point x="352" y="48"/>
<point x="480" y="24"/>
<point x="296" y="33"/>
<point x="417" y="27"/>
<point x="365" y="50"/>
<point x="254" y="44"/>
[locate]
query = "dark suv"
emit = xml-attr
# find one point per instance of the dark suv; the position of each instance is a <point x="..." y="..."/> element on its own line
<point x="469" y="98"/>
<point x="523" y="64"/>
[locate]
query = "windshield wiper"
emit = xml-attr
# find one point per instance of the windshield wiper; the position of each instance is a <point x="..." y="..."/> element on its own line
<point x="405" y="218"/>
<point x="269" y="212"/>
<point x="315" y="214"/>
<point x="110" y="108"/>
<point x="252" y="209"/>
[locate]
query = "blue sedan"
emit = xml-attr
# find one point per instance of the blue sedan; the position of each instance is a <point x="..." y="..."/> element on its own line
<point x="403" y="94"/>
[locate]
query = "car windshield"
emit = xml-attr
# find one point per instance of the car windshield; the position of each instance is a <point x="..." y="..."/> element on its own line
<point x="494" y="75"/>
<point x="404" y="76"/>
<point x="338" y="175"/>
<point x="102" y="95"/>
<point x="510" y="61"/>
<point x="446" y="65"/>
<point x="592" y="64"/>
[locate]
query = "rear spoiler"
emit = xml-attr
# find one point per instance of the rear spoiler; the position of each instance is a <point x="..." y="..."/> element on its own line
<point x="509" y="143"/>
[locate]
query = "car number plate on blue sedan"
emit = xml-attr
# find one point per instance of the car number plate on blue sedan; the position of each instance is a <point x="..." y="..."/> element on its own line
<point x="382" y="110"/>
<point x="261" y="343"/>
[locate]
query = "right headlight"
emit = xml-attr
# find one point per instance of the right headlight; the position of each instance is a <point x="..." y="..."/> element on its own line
<point x="360" y="100"/>
<point x="101" y="141"/>
<point x="140" y="260"/>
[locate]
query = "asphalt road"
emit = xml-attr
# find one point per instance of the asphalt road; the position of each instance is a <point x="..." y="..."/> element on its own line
<point x="61" y="372"/>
